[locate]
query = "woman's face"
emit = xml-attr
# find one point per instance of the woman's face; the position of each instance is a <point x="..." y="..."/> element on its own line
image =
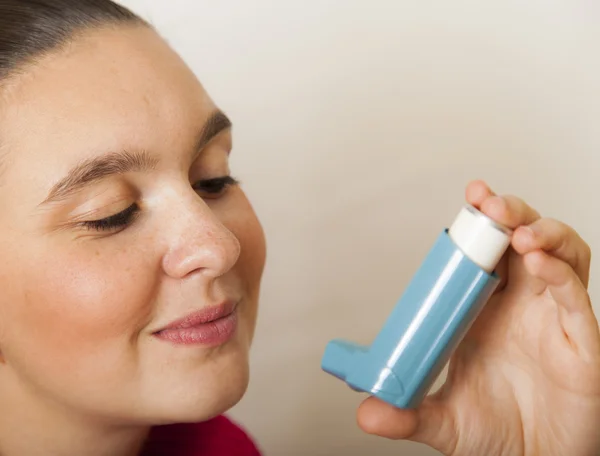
<point x="118" y="219"/>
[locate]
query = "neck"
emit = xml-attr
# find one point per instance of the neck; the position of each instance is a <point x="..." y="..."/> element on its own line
<point x="31" y="426"/>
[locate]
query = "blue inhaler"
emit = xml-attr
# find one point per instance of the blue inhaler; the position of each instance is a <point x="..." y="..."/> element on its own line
<point x="431" y="318"/>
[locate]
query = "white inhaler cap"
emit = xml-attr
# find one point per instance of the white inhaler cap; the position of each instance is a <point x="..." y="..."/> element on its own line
<point x="480" y="238"/>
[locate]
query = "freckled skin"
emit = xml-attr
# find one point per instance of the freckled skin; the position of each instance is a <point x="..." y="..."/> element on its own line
<point x="78" y="307"/>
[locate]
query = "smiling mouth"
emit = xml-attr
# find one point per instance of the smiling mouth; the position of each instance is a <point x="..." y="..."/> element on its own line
<point x="213" y="326"/>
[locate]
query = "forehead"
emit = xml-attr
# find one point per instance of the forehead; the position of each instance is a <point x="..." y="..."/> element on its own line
<point x="108" y="90"/>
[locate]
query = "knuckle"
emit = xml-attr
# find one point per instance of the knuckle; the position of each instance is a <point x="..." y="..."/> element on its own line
<point x="521" y="208"/>
<point x="567" y="236"/>
<point x="587" y="251"/>
<point x="514" y="200"/>
<point x="559" y="229"/>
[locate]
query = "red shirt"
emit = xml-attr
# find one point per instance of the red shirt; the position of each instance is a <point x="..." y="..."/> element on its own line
<point x="217" y="437"/>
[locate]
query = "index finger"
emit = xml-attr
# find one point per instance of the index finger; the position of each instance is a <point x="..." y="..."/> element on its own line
<point x="558" y="239"/>
<point x="508" y="210"/>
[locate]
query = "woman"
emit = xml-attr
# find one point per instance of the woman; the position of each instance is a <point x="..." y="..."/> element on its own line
<point x="132" y="263"/>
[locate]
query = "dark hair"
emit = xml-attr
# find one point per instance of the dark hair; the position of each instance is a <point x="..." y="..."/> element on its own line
<point x="30" y="29"/>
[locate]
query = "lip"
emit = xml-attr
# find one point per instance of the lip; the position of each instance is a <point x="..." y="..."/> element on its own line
<point x="211" y="326"/>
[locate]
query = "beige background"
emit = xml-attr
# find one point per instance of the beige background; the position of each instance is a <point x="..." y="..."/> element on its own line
<point x="357" y="125"/>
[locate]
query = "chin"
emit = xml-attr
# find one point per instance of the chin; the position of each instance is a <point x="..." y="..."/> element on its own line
<point x="221" y="400"/>
<point x="207" y="393"/>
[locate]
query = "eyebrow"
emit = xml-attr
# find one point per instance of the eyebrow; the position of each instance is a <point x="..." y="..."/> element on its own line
<point x="216" y="123"/>
<point x="95" y="169"/>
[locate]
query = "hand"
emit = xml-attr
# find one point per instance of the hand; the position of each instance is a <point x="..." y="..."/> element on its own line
<point x="526" y="378"/>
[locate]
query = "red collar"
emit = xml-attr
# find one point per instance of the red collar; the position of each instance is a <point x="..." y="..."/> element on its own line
<point x="217" y="437"/>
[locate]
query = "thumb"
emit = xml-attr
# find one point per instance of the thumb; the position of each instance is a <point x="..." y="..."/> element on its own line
<point x="430" y="424"/>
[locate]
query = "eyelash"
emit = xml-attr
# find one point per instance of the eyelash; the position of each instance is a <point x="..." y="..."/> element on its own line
<point x="213" y="187"/>
<point x="121" y="219"/>
<point x="216" y="186"/>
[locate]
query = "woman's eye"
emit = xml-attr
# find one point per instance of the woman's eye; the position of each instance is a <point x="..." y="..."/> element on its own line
<point x="208" y="188"/>
<point x="114" y="222"/>
<point x="211" y="188"/>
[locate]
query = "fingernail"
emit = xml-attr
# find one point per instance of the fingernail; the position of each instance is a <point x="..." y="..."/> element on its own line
<point x="528" y="230"/>
<point x="534" y="230"/>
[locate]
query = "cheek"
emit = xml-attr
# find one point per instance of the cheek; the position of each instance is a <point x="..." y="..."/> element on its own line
<point x="253" y="251"/>
<point x="248" y="230"/>
<point x="80" y="300"/>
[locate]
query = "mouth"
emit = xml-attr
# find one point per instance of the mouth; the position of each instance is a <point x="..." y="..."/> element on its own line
<point x="212" y="326"/>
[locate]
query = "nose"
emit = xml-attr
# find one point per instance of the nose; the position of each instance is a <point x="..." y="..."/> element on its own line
<point x="200" y="243"/>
